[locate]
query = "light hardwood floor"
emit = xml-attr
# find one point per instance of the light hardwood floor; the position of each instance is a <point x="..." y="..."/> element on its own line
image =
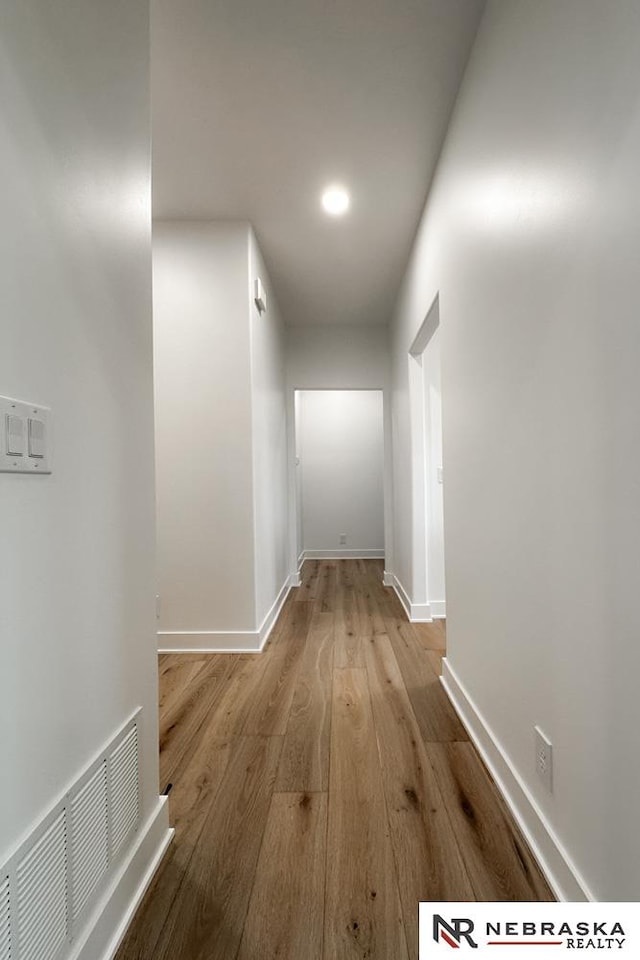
<point x="322" y="789"/>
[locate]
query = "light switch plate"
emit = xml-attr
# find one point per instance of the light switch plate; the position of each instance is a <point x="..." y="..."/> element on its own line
<point x="25" y="437"/>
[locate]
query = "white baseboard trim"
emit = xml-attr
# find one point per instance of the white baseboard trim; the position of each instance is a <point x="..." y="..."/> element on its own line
<point x="387" y="579"/>
<point x="416" y="612"/>
<point x="343" y="554"/>
<point x="116" y="909"/>
<point x="219" y="641"/>
<point x="402" y="595"/>
<point x="209" y="641"/>
<point x="562" y="874"/>
<point x="421" y="613"/>
<point x="295" y="580"/>
<point x="438" y="609"/>
<point x="269" y="621"/>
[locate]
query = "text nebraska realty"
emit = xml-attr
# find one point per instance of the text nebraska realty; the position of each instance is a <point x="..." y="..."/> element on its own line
<point x="575" y="936"/>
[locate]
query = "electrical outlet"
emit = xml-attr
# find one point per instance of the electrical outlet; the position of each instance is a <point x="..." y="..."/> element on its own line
<point x="343" y="538"/>
<point x="544" y="758"/>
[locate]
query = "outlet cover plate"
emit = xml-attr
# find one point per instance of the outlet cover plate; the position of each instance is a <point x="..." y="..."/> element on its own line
<point x="544" y="758"/>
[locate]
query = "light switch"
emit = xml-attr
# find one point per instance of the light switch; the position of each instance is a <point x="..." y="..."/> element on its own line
<point x="15" y="435"/>
<point x="36" y="438"/>
<point x="25" y="437"/>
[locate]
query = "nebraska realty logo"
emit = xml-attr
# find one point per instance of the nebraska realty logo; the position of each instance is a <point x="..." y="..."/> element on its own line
<point x="506" y="928"/>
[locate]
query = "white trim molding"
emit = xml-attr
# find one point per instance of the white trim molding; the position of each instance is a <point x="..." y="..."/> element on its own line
<point x="221" y="641"/>
<point x="387" y="579"/>
<point x="270" y="620"/>
<point x="416" y="612"/>
<point x="343" y="554"/>
<point x="295" y="580"/>
<point x="438" y="609"/>
<point x="562" y="874"/>
<point x="116" y="909"/>
<point x="208" y="641"/>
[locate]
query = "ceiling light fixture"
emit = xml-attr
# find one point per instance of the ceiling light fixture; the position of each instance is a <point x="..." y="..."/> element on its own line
<point x="335" y="200"/>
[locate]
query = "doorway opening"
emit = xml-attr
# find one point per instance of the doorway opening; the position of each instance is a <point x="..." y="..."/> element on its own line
<point x="339" y="490"/>
<point x="429" y="597"/>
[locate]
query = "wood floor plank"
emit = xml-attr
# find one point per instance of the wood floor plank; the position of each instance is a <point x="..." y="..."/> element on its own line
<point x="428" y="862"/>
<point x="434" y="658"/>
<point x="348" y="639"/>
<point x="286" y="911"/>
<point x="326" y="589"/>
<point x="207" y="915"/>
<point x="391" y="606"/>
<point x="280" y="626"/>
<point x="363" y="917"/>
<point x="292" y="626"/>
<point x="189" y="803"/>
<point x="268" y="710"/>
<point x="309" y="581"/>
<point x="228" y="715"/>
<point x="304" y="762"/>
<point x="333" y="693"/>
<point x="370" y="621"/>
<point x="182" y="724"/>
<point x="345" y="592"/>
<point x="430" y="635"/>
<point x="175" y="676"/>
<point x="436" y="717"/>
<point x="497" y="858"/>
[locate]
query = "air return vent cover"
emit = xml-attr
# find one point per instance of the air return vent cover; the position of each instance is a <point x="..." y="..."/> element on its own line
<point x="5" y="920"/>
<point x="49" y="885"/>
<point x="124" y="788"/>
<point x="41" y="891"/>
<point x="89" y="838"/>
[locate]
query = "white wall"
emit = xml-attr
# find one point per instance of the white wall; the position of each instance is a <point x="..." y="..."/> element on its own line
<point x="77" y="547"/>
<point x="269" y="440"/>
<point x="337" y="357"/>
<point x="203" y="427"/>
<point x="220" y="437"/>
<point x="530" y="236"/>
<point x="432" y="399"/>
<point x="341" y="445"/>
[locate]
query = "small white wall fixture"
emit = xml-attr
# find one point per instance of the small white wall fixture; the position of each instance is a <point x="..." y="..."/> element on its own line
<point x="424" y="597"/>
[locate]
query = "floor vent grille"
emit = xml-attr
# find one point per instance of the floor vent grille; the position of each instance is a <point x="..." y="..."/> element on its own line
<point x="49" y="884"/>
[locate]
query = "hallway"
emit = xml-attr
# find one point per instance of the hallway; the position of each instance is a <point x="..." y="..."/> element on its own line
<point x="321" y="789"/>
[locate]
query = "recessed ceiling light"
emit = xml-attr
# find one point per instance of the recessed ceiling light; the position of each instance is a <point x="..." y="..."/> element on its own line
<point x="335" y="200"/>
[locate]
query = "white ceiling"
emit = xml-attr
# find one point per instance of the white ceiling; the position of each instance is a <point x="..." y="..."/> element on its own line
<point x="258" y="104"/>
